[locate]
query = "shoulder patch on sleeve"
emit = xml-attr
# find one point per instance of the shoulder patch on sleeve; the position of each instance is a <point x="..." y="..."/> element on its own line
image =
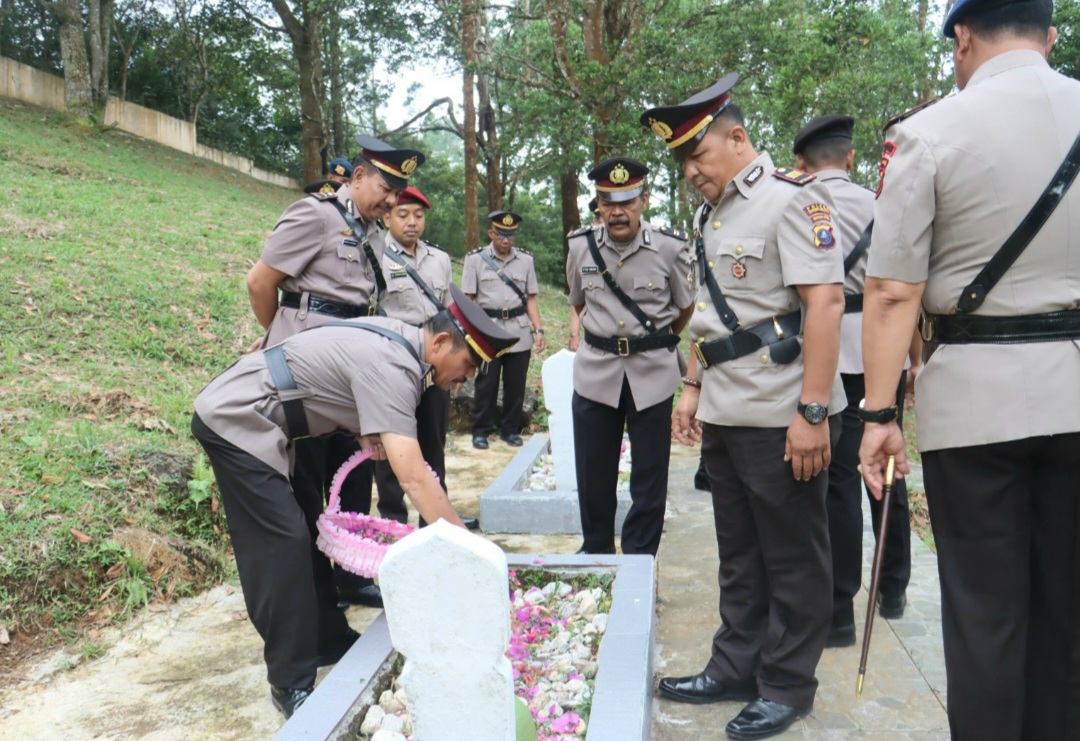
<point x="791" y="175"/>
<point x="321" y="195"/>
<point x="676" y="233"/>
<point x="909" y="113"/>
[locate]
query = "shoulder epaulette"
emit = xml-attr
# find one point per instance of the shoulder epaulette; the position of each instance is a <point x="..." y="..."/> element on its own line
<point x="477" y="251"/>
<point x="579" y="232"/>
<point x="322" y="186"/>
<point x="321" y="195"/>
<point x="792" y="175"/>
<point x="522" y="250"/>
<point x="676" y="233"/>
<point x="909" y="113"/>
<point x="433" y="246"/>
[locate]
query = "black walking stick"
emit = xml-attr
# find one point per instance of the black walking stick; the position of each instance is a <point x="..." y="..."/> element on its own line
<point x="875" y="572"/>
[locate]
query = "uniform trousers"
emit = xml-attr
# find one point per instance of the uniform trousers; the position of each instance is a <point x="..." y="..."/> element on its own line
<point x="1006" y="521"/>
<point x="317" y="459"/>
<point x="775" y="569"/>
<point x="288" y="585"/>
<point x="844" y="504"/>
<point x="598" y="434"/>
<point x="432" y="422"/>
<point x="514" y="368"/>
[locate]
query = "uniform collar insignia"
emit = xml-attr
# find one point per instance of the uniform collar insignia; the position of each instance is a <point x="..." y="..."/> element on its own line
<point x="754" y="175"/>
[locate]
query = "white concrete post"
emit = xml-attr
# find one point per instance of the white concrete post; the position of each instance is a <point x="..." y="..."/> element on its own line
<point x="557" y="375"/>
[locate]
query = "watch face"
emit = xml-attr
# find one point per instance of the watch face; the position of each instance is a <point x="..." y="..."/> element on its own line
<point x="815" y="413"/>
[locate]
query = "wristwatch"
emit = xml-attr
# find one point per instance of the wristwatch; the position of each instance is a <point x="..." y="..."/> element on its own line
<point x="813" y="412"/>
<point x="877" y="416"/>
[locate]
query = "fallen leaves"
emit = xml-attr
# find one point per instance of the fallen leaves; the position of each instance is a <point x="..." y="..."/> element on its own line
<point x="80" y="536"/>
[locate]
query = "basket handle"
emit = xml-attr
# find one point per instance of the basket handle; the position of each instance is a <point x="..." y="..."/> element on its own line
<point x="354" y="460"/>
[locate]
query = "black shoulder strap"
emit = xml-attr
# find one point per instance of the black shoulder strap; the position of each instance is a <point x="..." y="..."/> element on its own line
<point x="973" y="296"/>
<point x="860" y="248"/>
<point x="418" y="280"/>
<point x="619" y="292"/>
<point x="706" y="277"/>
<point x="505" y="278"/>
<point x="380" y="279"/>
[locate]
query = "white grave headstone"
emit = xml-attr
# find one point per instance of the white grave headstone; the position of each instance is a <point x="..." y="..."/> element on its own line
<point x="557" y="375"/>
<point x="447" y="599"/>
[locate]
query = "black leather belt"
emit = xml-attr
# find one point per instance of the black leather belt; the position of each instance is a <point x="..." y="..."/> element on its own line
<point x="295" y="419"/>
<point x="327" y="306"/>
<point x="853" y="303"/>
<point x="624" y="346"/>
<point x="505" y="313"/>
<point x="745" y="341"/>
<point x="965" y="329"/>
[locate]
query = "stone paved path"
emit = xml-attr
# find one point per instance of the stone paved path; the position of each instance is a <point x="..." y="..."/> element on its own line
<point x="904" y="691"/>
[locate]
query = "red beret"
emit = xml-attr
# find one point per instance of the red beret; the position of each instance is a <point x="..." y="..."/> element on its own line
<point x="412" y="195"/>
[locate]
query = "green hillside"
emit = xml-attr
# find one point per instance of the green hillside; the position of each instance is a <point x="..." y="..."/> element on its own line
<point x="123" y="264"/>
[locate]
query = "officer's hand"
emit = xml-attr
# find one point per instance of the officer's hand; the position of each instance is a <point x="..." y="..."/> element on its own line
<point x="374" y="444"/>
<point x="684" y="424"/>
<point x="878" y="443"/>
<point x="909" y="390"/>
<point x="574" y="342"/>
<point x="541" y="343"/>
<point x="807" y="448"/>
<point x="256" y="345"/>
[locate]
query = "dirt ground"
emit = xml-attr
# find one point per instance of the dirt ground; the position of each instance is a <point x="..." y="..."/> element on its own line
<point x="193" y="669"/>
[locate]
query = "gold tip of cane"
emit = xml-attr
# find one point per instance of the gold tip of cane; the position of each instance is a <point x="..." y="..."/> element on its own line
<point x="890" y="469"/>
<point x="858" y="685"/>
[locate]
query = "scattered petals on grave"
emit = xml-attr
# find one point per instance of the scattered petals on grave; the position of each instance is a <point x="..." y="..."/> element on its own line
<point x="556" y="629"/>
<point x="542" y="474"/>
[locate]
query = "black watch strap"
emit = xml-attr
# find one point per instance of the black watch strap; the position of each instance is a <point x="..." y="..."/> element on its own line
<point x="878" y="416"/>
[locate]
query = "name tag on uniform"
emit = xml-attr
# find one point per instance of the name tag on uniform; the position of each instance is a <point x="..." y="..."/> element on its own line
<point x="590" y="269"/>
<point x="398" y="274"/>
<point x="349" y="242"/>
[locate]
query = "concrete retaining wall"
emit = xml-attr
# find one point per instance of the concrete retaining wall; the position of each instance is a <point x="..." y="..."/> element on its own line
<point x="29" y="85"/>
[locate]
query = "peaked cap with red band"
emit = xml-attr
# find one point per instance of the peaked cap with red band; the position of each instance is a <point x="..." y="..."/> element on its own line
<point x="396" y="165"/>
<point x="619" y="179"/>
<point x="412" y="195"/>
<point x="682" y="126"/>
<point x="484" y="336"/>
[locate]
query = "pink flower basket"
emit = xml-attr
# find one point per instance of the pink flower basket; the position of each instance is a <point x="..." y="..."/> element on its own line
<point x="356" y="542"/>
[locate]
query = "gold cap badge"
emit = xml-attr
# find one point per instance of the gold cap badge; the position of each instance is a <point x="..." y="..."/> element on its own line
<point x="408" y="166"/>
<point x="619" y="175"/>
<point x="508" y="220"/>
<point x="661" y="129"/>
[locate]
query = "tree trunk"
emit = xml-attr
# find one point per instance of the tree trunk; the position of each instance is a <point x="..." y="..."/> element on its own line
<point x="337" y="116"/>
<point x="571" y="219"/>
<point x="77" y="93"/>
<point x="490" y="136"/>
<point x="468" y="45"/>
<point x="304" y="35"/>
<point x="100" y="22"/>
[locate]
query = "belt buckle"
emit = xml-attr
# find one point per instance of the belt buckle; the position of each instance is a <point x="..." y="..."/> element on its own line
<point x="699" y="353"/>
<point x="622" y="344"/>
<point x="926" y="328"/>
<point x="372" y="308"/>
<point x="505" y="313"/>
<point x="778" y="329"/>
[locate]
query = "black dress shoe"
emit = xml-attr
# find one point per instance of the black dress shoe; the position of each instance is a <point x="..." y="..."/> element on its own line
<point x="471" y="523"/>
<point x="479" y="442"/>
<point x="891" y="608"/>
<point x="841" y="636"/>
<point x="701" y="688"/>
<point x="763" y="718"/>
<point x="370" y="596"/>
<point x="337" y="648"/>
<point x="513" y="441"/>
<point x="603" y="552"/>
<point x="288" y="700"/>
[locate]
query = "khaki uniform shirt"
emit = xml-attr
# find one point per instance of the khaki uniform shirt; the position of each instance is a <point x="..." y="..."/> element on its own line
<point x="349" y="379"/>
<point x="318" y="252"/>
<point x="854" y="210"/>
<point x="652" y="270"/>
<point x="762" y="230"/>
<point x="964" y="173"/>
<point x="404" y="299"/>
<point x="492" y="293"/>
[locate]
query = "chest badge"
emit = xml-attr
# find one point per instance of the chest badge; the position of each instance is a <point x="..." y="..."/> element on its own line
<point x="346" y="232"/>
<point x="738" y="269"/>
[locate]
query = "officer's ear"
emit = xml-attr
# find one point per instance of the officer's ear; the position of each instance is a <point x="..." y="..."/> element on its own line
<point x="1051" y="39"/>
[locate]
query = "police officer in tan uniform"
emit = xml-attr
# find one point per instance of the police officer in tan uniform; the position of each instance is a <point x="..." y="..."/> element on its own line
<point x="823" y="147"/>
<point x="324" y="255"/>
<point x="417" y="287"/>
<point x="770" y="270"/>
<point x="998" y="401"/>
<point x="502" y="279"/>
<point x="366" y="379"/>
<point x="626" y="369"/>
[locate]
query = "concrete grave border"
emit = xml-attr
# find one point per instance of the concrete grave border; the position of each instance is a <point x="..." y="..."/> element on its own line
<point x="622" y="694"/>
<point x="505" y="507"/>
